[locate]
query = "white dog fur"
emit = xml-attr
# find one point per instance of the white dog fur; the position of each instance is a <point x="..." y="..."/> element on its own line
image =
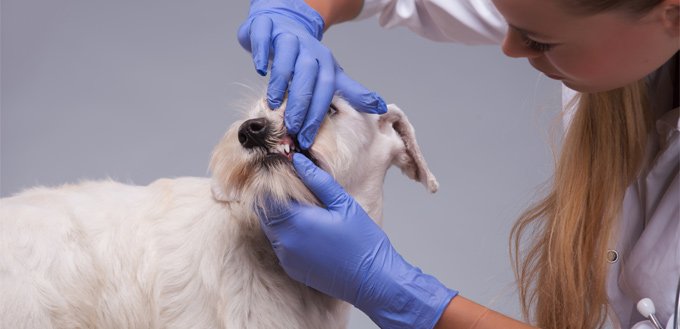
<point x="189" y="252"/>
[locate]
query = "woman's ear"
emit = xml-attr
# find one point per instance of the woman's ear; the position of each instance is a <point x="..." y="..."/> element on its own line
<point x="408" y="158"/>
<point x="670" y="16"/>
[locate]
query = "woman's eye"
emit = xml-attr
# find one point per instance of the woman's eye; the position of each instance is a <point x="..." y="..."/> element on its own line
<point x="332" y="110"/>
<point x="535" y="45"/>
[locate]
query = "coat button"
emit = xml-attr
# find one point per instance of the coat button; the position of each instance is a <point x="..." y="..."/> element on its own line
<point x="612" y="256"/>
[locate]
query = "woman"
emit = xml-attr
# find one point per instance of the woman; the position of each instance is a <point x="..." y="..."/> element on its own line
<point x="613" y="197"/>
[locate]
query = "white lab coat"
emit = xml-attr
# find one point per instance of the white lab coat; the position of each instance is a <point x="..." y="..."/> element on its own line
<point x="649" y="240"/>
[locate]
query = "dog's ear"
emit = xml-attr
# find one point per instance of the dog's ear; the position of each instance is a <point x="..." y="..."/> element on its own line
<point x="408" y="159"/>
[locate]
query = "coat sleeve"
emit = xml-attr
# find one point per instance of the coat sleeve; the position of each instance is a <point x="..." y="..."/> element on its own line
<point x="461" y="21"/>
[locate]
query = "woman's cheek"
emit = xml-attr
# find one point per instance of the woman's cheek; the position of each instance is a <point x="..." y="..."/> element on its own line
<point x="578" y="65"/>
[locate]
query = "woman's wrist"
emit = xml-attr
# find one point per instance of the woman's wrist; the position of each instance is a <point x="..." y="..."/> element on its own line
<point x="336" y="11"/>
<point x="464" y="313"/>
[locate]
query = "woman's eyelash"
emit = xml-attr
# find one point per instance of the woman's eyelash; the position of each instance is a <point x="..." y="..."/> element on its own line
<point x="535" y="45"/>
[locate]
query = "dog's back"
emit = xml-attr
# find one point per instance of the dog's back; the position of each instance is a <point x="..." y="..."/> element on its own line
<point x="167" y="255"/>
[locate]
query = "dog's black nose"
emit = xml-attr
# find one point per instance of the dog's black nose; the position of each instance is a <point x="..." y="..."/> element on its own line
<point x="253" y="133"/>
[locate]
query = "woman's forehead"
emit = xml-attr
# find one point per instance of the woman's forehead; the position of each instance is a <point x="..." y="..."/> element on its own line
<point x="534" y="17"/>
<point x="548" y="20"/>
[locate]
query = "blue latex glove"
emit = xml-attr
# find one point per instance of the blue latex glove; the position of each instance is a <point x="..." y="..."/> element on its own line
<point x="292" y="31"/>
<point x="341" y="252"/>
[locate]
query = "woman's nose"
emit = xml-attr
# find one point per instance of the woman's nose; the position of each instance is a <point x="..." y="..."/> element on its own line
<point x="514" y="46"/>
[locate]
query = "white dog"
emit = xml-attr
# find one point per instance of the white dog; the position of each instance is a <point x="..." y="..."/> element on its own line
<point x="189" y="252"/>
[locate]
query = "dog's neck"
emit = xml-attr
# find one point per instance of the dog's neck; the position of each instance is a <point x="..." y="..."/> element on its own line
<point x="374" y="209"/>
<point x="366" y="187"/>
<point x="368" y="192"/>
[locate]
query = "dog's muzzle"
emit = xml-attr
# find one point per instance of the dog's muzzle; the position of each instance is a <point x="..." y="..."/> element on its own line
<point x="257" y="132"/>
<point x="253" y="133"/>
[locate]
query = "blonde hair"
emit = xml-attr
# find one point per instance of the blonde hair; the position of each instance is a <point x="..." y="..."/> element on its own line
<point x="561" y="274"/>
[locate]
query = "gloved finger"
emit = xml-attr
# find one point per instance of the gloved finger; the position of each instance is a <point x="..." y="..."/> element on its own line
<point x="360" y="98"/>
<point x="269" y="231"/>
<point x="260" y="41"/>
<point x="273" y="211"/>
<point x="300" y="91"/>
<point x="243" y="36"/>
<point x="321" y="183"/>
<point x="286" y="48"/>
<point x="324" y="89"/>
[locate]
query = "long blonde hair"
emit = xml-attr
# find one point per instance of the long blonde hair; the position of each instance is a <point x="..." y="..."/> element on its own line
<point x="561" y="275"/>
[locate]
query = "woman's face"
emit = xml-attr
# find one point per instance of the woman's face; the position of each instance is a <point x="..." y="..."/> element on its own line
<point x="590" y="53"/>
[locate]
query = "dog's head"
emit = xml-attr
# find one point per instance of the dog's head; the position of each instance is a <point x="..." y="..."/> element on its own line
<point x="253" y="161"/>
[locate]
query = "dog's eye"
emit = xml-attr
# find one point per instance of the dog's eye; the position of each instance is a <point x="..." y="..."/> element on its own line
<point x="332" y="110"/>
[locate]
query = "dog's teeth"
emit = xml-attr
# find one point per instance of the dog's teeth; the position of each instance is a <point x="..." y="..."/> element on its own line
<point x="287" y="148"/>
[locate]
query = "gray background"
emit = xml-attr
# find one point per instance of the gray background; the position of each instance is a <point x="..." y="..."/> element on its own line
<point x="139" y="90"/>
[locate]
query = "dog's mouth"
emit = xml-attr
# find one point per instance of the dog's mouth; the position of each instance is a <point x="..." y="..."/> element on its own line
<point x="286" y="147"/>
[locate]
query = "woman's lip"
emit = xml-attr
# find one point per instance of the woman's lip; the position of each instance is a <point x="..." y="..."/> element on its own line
<point x="554" y="77"/>
<point x="533" y="63"/>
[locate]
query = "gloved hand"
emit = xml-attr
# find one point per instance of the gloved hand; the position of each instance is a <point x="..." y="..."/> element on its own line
<point x="341" y="252"/>
<point x="293" y="30"/>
